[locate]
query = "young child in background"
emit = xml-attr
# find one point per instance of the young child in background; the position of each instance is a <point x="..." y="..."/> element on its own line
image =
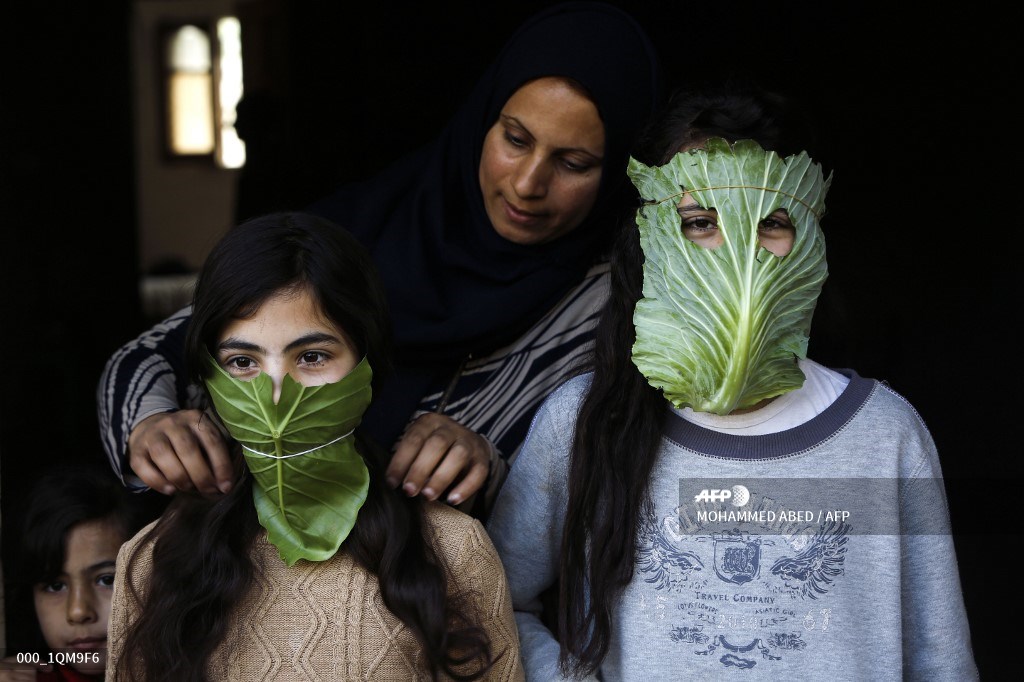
<point x="76" y="520"/>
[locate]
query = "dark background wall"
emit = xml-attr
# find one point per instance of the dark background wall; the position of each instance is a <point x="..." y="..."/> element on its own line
<point x="916" y="118"/>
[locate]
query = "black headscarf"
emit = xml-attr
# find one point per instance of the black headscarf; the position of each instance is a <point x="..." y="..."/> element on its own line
<point x="453" y="284"/>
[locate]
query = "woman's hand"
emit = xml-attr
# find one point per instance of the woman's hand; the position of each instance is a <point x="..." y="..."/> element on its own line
<point x="180" y="450"/>
<point x="434" y="452"/>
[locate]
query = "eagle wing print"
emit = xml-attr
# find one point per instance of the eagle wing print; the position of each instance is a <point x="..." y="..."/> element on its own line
<point x="811" y="572"/>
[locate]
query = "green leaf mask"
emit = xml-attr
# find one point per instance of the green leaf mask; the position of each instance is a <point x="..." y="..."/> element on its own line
<point x="720" y="329"/>
<point x="309" y="480"/>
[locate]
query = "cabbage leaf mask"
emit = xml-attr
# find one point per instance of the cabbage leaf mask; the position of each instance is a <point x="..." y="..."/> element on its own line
<point x="309" y="480"/>
<point x="720" y="329"/>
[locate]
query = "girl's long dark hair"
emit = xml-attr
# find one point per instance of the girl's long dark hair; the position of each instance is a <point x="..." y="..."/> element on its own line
<point x="202" y="565"/>
<point x="619" y="426"/>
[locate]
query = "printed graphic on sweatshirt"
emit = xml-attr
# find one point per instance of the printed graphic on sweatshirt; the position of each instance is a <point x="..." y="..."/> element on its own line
<point x="744" y="591"/>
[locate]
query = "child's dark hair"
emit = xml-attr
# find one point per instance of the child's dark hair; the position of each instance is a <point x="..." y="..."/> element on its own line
<point x="733" y="110"/>
<point x="60" y="499"/>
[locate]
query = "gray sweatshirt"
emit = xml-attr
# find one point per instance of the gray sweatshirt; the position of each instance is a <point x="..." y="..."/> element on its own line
<point x="822" y="552"/>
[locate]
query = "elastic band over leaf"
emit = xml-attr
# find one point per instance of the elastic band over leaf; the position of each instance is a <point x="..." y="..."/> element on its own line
<point x="295" y="454"/>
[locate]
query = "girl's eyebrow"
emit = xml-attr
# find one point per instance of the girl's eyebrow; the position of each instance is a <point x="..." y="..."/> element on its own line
<point x="311" y="338"/>
<point x="694" y="208"/>
<point x="232" y="343"/>
<point x="109" y="563"/>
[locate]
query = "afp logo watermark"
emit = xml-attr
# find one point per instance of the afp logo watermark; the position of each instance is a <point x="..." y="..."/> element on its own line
<point x="738" y="494"/>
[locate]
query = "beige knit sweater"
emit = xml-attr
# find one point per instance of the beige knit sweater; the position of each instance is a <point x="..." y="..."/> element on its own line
<point x="327" y="621"/>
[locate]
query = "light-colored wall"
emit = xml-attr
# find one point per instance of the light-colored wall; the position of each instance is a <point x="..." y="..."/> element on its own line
<point x="183" y="206"/>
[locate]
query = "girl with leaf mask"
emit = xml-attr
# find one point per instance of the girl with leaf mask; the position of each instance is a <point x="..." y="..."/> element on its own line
<point x="311" y="567"/>
<point x="710" y="498"/>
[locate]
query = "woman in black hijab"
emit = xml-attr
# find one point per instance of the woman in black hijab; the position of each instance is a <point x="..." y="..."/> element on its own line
<point x="493" y="293"/>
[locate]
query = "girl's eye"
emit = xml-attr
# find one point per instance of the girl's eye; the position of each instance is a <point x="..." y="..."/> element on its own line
<point x="241" y="367"/>
<point x="774" y="222"/>
<point x="313" y="357"/>
<point x="700" y="224"/>
<point x="240" y="362"/>
<point x="105" y="580"/>
<point x="53" y="587"/>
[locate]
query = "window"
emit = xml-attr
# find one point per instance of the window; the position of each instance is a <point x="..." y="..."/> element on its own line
<point x="203" y="85"/>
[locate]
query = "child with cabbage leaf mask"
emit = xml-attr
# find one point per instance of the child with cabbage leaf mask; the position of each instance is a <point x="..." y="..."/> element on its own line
<point x="288" y="318"/>
<point x="734" y="263"/>
<point x="699" y="381"/>
<point x="290" y="387"/>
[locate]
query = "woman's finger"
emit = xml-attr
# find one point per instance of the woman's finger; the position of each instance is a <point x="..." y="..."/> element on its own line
<point x="165" y="458"/>
<point x="433" y="450"/>
<point x="156" y="446"/>
<point x="406" y="452"/>
<point x="151" y="476"/>
<point x="216" y="449"/>
<point x="188" y="448"/>
<point x="468" y="463"/>
<point x="471" y="483"/>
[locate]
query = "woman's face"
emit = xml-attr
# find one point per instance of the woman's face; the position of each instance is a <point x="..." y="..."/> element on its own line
<point x="73" y="610"/>
<point x="541" y="162"/>
<point x="287" y="335"/>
